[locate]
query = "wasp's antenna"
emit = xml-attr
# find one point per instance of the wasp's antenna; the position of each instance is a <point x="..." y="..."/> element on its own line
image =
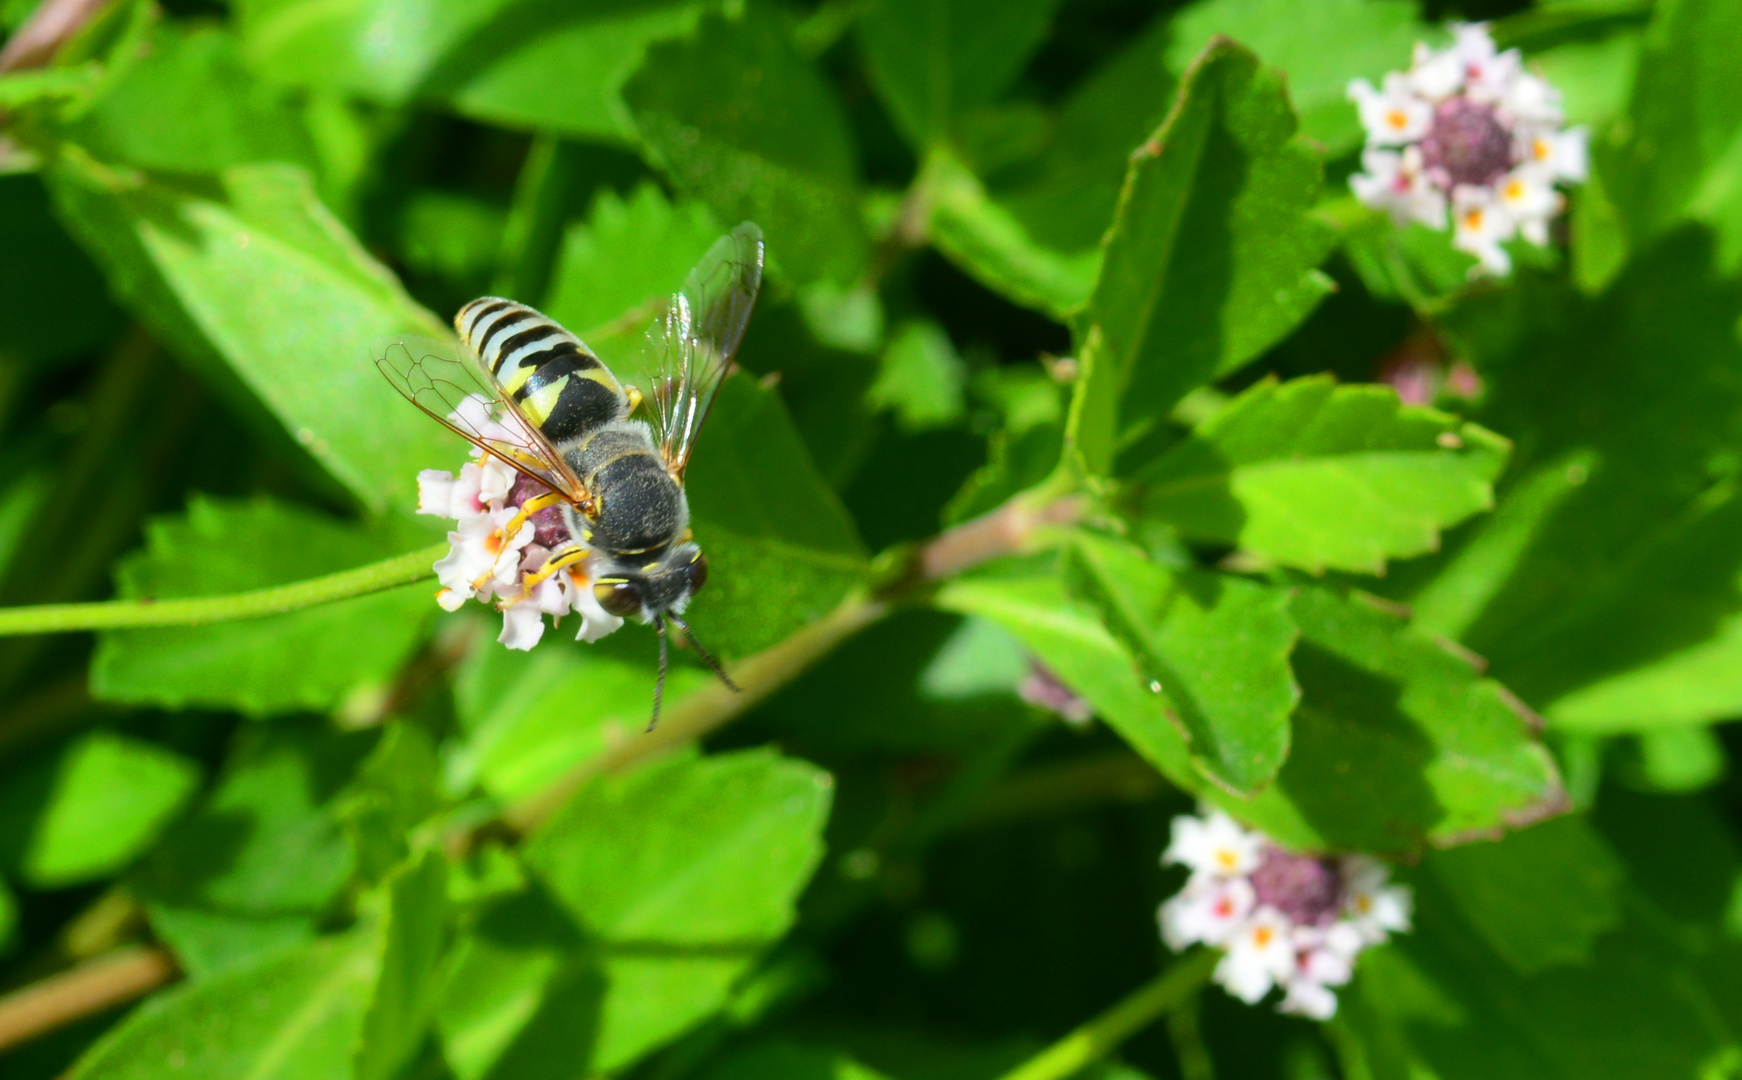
<point x="713" y="665"/>
<point x="659" y="683"/>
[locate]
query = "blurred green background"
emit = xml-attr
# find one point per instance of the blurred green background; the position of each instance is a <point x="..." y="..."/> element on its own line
<point x="895" y="866"/>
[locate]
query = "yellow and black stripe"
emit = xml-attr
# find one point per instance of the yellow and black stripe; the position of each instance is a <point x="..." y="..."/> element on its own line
<point x="555" y="380"/>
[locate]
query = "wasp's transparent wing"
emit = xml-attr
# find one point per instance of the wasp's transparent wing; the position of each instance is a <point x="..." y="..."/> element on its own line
<point x="442" y="380"/>
<point x="692" y="343"/>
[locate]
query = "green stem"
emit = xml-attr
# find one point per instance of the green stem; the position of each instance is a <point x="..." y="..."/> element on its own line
<point x="1142" y="1007"/>
<point x="115" y="614"/>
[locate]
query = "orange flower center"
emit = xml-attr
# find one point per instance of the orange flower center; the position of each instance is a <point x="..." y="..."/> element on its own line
<point x="1398" y="119"/>
<point x="1473" y="220"/>
<point x="1514" y="190"/>
<point x="1539" y="149"/>
<point x="1263" y="936"/>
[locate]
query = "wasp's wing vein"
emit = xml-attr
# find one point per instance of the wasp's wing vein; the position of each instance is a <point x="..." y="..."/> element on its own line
<point x="693" y="343"/>
<point x="468" y="401"/>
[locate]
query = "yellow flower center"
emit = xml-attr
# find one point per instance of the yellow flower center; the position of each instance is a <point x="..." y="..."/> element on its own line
<point x="1227" y="859"/>
<point x="1398" y="119"/>
<point x="1262" y="936"/>
<point x="1515" y="190"/>
<point x="1539" y="149"/>
<point x="1473" y="220"/>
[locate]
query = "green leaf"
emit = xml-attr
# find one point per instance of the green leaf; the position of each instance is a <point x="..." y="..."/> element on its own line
<point x="522" y="998"/>
<point x="1440" y="1002"/>
<point x="1398" y="742"/>
<point x="1608" y="580"/>
<point x="19" y="89"/>
<point x="736" y="116"/>
<point x="1035" y="236"/>
<point x="111" y="797"/>
<point x="1068" y="635"/>
<point x="1684" y="159"/>
<point x="521" y="716"/>
<point x="453" y="237"/>
<point x="310" y="659"/>
<point x="781" y="549"/>
<point x="787" y="1061"/>
<point x="291" y="1018"/>
<point x="248" y="874"/>
<point x="411" y="944"/>
<point x="1679" y="759"/>
<point x="563" y="74"/>
<point x="679" y="875"/>
<point x="1214" y="646"/>
<point x="998" y="248"/>
<point x="387" y="50"/>
<point x="629" y="254"/>
<point x="1415" y="265"/>
<point x="1698" y="684"/>
<point x="1311" y="474"/>
<point x="1320" y="44"/>
<point x="397" y="789"/>
<point x="224" y="116"/>
<point x="275" y="303"/>
<point x="921" y="378"/>
<point x="694" y="852"/>
<point x="1539" y="898"/>
<point x="934" y="60"/>
<point x="1211" y="256"/>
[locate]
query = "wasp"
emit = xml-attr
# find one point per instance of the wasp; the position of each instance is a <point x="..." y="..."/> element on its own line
<point x="554" y="412"/>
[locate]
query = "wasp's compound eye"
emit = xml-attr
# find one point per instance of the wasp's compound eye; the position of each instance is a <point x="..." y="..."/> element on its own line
<point x="698" y="573"/>
<point x="620" y="598"/>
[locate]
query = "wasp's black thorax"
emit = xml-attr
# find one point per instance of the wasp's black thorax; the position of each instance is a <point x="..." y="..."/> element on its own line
<point x="638" y="507"/>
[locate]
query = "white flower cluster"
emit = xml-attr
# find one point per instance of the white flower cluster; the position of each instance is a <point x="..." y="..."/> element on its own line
<point x="1468" y="127"/>
<point x="487" y="564"/>
<point x="1294" y="921"/>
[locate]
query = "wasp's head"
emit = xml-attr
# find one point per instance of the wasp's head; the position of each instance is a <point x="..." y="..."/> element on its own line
<point x="657" y="591"/>
<point x="645" y="591"/>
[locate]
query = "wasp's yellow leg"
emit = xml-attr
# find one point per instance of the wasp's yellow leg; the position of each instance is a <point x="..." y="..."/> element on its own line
<point x="560" y="562"/>
<point x="529" y="508"/>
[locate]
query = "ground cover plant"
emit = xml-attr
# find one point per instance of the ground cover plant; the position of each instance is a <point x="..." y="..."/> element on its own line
<point x="1227" y="526"/>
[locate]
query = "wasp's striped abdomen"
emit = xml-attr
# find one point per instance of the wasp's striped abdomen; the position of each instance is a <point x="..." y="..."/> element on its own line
<point x="555" y="379"/>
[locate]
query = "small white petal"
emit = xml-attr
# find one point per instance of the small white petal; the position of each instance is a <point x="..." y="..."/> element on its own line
<point x="451" y="600"/>
<point x="1392" y="116"/>
<point x="1309" y="999"/>
<point x="435" y="492"/>
<point x="522" y="626"/>
<point x="1436" y="75"/>
<point x="1480" y="225"/>
<point x="1209" y="910"/>
<point x="1214" y="845"/>
<point x="596" y="622"/>
<point x="496" y="479"/>
<point x="1260" y="955"/>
